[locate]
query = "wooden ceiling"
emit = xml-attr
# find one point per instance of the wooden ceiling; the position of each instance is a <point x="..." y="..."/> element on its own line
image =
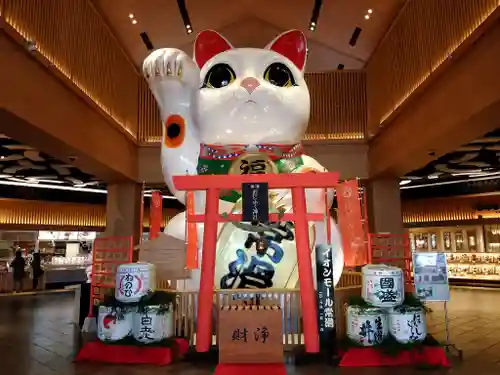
<point x="254" y="23"/>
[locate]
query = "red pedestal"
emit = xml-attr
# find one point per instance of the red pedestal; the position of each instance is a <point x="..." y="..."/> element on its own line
<point x="373" y="357"/>
<point x="97" y="351"/>
<point x="250" y="369"/>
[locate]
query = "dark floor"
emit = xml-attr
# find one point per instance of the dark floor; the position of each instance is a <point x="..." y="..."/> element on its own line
<point x="38" y="338"/>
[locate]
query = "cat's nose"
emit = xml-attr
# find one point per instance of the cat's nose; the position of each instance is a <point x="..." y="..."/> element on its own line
<point x="250" y="84"/>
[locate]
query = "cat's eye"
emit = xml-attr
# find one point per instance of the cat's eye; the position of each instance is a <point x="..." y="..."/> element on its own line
<point x="219" y="75"/>
<point x="279" y="75"/>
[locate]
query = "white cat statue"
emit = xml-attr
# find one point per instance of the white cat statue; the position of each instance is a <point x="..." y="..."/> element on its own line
<point x="223" y="110"/>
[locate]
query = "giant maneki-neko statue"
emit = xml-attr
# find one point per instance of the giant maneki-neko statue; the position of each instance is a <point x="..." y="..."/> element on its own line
<point x="238" y="111"/>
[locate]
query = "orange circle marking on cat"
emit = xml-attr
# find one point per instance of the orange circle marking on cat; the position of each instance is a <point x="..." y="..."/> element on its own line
<point x="175" y="131"/>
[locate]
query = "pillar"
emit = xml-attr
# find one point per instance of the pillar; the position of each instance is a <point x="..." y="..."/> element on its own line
<point x="384" y="206"/>
<point x="124" y="210"/>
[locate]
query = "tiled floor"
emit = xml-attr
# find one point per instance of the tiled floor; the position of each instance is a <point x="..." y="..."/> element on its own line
<point x="37" y="338"/>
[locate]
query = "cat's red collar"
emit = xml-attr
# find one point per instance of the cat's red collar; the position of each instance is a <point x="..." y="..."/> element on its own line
<point x="230" y="152"/>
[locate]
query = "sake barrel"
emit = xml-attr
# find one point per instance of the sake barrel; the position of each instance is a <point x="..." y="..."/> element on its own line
<point x="150" y="324"/>
<point x="169" y="322"/>
<point x="134" y="281"/>
<point x="407" y="324"/>
<point x="366" y="325"/>
<point x="114" y="324"/>
<point x="383" y="286"/>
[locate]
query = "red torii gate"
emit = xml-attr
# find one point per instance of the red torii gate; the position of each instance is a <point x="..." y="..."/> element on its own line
<point x="213" y="184"/>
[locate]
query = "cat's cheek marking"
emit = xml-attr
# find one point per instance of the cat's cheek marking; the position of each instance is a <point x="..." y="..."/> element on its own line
<point x="175" y="131"/>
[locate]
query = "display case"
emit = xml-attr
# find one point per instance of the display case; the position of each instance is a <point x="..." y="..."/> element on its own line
<point x="474" y="266"/>
<point x="459" y="239"/>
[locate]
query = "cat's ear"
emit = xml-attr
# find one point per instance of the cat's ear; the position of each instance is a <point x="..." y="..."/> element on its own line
<point x="293" y="45"/>
<point x="208" y="44"/>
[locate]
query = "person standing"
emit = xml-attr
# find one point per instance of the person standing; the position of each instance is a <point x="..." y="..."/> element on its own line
<point x="36" y="267"/>
<point x="17" y="266"/>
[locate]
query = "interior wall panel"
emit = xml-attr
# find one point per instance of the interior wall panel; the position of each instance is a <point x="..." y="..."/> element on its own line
<point x="33" y="215"/>
<point x="338" y="108"/>
<point x="72" y="36"/>
<point x="425" y="34"/>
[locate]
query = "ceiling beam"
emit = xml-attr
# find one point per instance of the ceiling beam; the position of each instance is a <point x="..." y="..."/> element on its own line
<point x="460" y="105"/>
<point x="39" y="110"/>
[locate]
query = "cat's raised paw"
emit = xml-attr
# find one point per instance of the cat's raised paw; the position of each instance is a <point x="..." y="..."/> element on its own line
<point x="173" y="64"/>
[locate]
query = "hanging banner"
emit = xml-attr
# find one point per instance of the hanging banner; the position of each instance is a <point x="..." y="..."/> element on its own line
<point x="326" y="298"/>
<point x="351" y="224"/>
<point x="255" y="202"/>
<point x="155" y="215"/>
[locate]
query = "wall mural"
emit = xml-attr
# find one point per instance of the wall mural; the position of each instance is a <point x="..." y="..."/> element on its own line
<point x="22" y="163"/>
<point x="478" y="158"/>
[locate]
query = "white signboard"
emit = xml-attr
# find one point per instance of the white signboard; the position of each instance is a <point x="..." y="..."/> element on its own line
<point x="430" y="273"/>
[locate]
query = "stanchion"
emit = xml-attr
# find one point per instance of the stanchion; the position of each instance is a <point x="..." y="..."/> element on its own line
<point x="449" y="346"/>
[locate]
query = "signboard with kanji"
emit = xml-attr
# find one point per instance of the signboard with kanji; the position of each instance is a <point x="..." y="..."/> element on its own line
<point x="250" y="334"/>
<point x="326" y="300"/>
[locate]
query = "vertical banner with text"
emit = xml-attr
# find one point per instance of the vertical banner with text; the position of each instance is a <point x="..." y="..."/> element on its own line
<point x="326" y="298"/>
<point x="351" y="224"/>
<point x="155" y="215"/>
<point x="255" y="202"/>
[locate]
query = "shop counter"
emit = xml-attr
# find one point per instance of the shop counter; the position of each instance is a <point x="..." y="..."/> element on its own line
<point x="66" y="275"/>
<point x="7" y="282"/>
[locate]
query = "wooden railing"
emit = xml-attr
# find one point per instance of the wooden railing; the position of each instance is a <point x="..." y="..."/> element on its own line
<point x="424" y="35"/>
<point x="288" y="299"/>
<point x="73" y="38"/>
<point x="338" y="108"/>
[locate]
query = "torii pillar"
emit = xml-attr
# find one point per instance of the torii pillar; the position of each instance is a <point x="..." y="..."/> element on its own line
<point x="213" y="184"/>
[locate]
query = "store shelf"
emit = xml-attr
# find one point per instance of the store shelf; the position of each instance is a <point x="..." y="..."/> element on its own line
<point x="475" y="277"/>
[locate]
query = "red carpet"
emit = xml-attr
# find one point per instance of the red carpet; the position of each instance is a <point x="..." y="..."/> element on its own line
<point x="97" y="351"/>
<point x="250" y="369"/>
<point x="370" y="357"/>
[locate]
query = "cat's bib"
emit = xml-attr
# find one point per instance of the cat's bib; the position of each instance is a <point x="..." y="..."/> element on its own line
<point x="235" y="159"/>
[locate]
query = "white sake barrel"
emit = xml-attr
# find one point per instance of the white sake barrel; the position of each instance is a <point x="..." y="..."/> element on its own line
<point x="134" y="281"/>
<point x="407" y="324"/>
<point x="114" y="324"/>
<point x="366" y="325"/>
<point x="169" y="322"/>
<point x="150" y="325"/>
<point x="383" y="286"/>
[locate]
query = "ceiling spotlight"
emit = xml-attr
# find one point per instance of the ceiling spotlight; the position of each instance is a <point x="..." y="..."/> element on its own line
<point x="134" y="22"/>
<point x="188" y="27"/>
<point x="370" y="11"/>
<point x="312" y="28"/>
<point x="313" y="23"/>
<point x="367" y="17"/>
<point x="189" y="31"/>
<point x="130" y="16"/>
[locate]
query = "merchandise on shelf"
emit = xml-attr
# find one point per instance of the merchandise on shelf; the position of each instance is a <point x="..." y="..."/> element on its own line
<point x="480" y="266"/>
<point x="383" y="286"/>
<point x="134" y="281"/>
